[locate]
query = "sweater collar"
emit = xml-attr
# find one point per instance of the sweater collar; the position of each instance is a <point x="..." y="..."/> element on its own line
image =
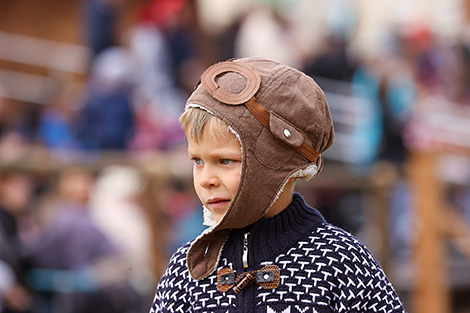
<point x="270" y="237"/>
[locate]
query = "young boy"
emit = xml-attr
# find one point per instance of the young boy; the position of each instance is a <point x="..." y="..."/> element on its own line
<point x="253" y="127"/>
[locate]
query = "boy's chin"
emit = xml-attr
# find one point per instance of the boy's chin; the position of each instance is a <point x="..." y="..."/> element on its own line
<point x="213" y="215"/>
<point x="218" y="215"/>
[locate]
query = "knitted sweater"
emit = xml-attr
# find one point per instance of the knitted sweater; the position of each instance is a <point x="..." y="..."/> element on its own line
<point x="322" y="269"/>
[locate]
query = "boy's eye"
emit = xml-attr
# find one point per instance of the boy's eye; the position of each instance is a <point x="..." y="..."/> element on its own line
<point x="226" y="161"/>
<point x="197" y="161"/>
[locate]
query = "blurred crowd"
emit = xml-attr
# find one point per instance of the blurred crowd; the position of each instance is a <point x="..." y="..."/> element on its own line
<point x="77" y="240"/>
<point x="86" y="240"/>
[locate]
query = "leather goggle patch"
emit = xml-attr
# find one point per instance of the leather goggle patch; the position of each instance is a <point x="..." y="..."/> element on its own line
<point x="253" y="81"/>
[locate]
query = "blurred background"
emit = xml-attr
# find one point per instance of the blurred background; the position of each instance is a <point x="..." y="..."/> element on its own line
<point x="95" y="183"/>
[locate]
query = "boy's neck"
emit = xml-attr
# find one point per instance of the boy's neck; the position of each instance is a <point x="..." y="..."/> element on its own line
<point x="285" y="198"/>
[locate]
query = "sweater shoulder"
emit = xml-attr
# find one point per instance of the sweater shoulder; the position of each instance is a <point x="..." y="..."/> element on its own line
<point x="331" y="247"/>
<point x="178" y="259"/>
<point x="335" y="236"/>
<point x="340" y="246"/>
<point x="170" y="294"/>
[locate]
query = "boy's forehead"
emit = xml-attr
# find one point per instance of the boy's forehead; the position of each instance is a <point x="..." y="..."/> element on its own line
<point x="215" y="134"/>
<point x="214" y="130"/>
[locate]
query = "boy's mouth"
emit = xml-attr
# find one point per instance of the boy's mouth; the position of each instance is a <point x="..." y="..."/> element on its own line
<point x="216" y="203"/>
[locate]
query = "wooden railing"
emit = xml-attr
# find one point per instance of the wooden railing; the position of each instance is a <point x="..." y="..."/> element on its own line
<point x="29" y="55"/>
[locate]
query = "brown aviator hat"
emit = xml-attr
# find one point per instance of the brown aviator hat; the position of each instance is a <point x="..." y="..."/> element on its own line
<point x="281" y="117"/>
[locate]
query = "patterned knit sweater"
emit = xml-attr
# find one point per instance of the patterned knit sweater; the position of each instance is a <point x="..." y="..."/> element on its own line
<point x="322" y="269"/>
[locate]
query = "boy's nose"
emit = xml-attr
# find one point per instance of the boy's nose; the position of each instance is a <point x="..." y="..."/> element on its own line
<point x="209" y="179"/>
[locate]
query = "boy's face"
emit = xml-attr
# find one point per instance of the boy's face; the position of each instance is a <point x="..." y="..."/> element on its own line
<point x="217" y="167"/>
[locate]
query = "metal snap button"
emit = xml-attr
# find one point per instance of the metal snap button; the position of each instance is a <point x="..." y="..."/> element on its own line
<point x="287" y="133"/>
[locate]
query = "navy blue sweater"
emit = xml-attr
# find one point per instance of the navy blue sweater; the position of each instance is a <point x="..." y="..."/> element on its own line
<point x="322" y="269"/>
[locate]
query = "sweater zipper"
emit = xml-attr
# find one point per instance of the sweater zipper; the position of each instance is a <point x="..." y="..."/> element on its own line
<point x="245" y="251"/>
<point x="246" y="297"/>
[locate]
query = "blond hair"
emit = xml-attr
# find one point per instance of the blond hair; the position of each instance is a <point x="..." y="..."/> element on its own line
<point x="194" y="120"/>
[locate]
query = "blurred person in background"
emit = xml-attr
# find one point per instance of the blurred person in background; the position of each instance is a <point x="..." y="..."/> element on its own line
<point x="189" y="48"/>
<point x="332" y="61"/>
<point x="461" y="94"/>
<point x="421" y="48"/>
<point x="56" y="128"/>
<point x="385" y="80"/>
<point x="265" y="31"/>
<point x="170" y="51"/>
<point x="13" y="297"/>
<point x="16" y="192"/>
<point x="17" y="127"/>
<point x="105" y="120"/>
<point x="73" y="263"/>
<point x="117" y="208"/>
<point x="100" y="18"/>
